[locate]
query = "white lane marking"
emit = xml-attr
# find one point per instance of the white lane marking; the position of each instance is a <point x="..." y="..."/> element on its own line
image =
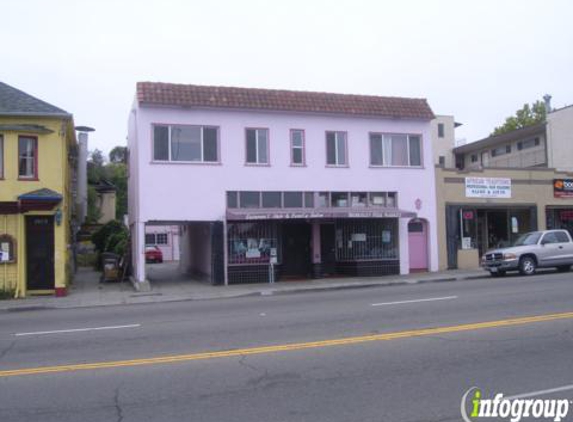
<point x="541" y="392"/>
<point x="77" y="330"/>
<point x="430" y="299"/>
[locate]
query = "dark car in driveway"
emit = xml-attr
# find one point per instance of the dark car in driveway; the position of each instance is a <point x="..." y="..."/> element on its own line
<point x="153" y="254"/>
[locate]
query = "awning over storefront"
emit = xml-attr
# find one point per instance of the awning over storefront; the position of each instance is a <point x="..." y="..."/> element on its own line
<point x="318" y="213"/>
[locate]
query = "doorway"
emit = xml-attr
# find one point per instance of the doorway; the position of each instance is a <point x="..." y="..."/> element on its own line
<point x="296" y="250"/>
<point x="328" y="249"/>
<point x="418" y="245"/>
<point x="40" y="253"/>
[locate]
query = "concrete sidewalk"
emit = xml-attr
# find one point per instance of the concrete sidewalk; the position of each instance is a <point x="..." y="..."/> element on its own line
<point x="87" y="291"/>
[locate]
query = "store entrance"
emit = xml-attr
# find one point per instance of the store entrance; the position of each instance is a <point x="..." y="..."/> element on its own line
<point x="499" y="228"/>
<point x="296" y="250"/>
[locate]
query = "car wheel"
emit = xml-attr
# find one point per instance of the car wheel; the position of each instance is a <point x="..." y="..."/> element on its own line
<point x="564" y="268"/>
<point x="527" y="266"/>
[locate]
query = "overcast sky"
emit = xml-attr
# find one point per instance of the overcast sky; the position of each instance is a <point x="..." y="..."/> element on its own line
<point x="477" y="60"/>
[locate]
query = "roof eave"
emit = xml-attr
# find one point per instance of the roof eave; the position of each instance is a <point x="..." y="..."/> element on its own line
<point x="278" y="110"/>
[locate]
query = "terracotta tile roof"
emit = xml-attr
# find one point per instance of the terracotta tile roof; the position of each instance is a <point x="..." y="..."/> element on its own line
<point x="165" y="94"/>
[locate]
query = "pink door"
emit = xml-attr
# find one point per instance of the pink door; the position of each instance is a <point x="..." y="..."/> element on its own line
<point x="418" y="245"/>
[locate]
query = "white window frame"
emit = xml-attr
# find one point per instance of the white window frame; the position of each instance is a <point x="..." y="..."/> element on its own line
<point x="162" y="235"/>
<point x="257" y="161"/>
<point x="34" y="142"/>
<point x="170" y="140"/>
<point x="386" y="139"/>
<point x="301" y="148"/>
<point x="336" y="149"/>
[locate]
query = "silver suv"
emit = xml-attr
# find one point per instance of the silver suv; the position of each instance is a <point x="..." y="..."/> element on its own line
<point x="549" y="248"/>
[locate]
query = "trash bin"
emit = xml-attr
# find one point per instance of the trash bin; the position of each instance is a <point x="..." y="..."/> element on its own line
<point x="110" y="264"/>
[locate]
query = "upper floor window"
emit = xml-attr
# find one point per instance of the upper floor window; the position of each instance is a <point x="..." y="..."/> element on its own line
<point x="27" y="157"/>
<point x="336" y="149"/>
<point x="186" y="143"/>
<point x="440" y="130"/>
<point x="395" y="150"/>
<point x="297" y="147"/>
<point x="1" y="157"/>
<point x="506" y="149"/>
<point x="257" y="146"/>
<point x="529" y="143"/>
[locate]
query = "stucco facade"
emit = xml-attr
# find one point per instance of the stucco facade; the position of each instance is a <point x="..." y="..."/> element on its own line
<point x="532" y="204"/>
<point x="196" y="192"/>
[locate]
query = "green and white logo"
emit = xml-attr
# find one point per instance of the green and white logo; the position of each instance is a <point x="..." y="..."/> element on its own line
<point x="512" y="409"/>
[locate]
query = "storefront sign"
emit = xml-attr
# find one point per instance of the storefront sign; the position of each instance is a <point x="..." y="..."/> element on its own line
<point x="488" y="187"/>
<point x="319" y="214"/>
<point x="563" y="188"/>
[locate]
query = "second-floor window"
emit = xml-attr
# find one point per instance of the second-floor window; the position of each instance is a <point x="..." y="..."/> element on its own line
<point x="27" y="157"/>
<point x="297" y="147"/>
<point x="501" y="151"/>
<point x="395" y="150"/>
<point x="257" y="146"/>
<point x="1" y="157"/>
<point x="440" y="130"/>
<point x="336" y="149"/>
<point x="186" y="143"/>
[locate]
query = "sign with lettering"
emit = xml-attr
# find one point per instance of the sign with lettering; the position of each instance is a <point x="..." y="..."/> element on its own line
<point x="488" y="187"/>
<point x="563" y="188"/>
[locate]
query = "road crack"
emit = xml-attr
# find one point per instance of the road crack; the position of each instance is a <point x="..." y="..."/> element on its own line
<point x="118" y="408"/>
<point x="7" y="349"/>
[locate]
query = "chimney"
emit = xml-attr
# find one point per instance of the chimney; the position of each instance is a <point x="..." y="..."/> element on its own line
<point x="547" y="99"/>
<point x="82" y="179"/>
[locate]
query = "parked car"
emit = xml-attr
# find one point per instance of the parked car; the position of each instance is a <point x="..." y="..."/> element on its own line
<point x="549" y="248"/>
<point x="153" y="254"/>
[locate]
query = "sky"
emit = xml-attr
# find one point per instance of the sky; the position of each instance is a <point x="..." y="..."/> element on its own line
<point x="478" y="60"/>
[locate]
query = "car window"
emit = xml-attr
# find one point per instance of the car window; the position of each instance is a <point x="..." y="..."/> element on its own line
<point x="550" y="238"/>
<point x="562" y="237"/>
<point x="527" y="239"/>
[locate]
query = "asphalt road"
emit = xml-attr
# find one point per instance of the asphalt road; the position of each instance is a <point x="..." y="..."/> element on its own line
<point x="376" y="376"/>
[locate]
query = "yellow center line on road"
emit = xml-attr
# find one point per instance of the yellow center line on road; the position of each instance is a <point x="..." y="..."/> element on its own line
<point x="287" y="347"/>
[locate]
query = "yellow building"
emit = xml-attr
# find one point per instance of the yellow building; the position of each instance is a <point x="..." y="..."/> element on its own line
<point x="37" y="156"/>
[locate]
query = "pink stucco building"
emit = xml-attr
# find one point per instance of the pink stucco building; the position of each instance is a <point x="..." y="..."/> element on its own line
<point x="315" y="184"/>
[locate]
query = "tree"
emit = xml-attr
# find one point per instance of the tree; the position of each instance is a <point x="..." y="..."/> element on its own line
<point x="118" y="155"/>
<point x="116" y="173"/>
<point x="96" y="164"/>
<point x="526" y="116"/>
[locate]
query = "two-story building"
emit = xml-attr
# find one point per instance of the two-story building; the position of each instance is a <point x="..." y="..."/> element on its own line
<point x="37" y="152"/>
<point x="309" y="184"/>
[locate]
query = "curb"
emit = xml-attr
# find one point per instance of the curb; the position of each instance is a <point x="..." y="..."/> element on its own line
<point x="260" y="293"/>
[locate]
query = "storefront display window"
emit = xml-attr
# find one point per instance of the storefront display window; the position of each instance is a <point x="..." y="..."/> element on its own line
<point x="366" y="240"/>
<point x="7" y="249"/>
<point x="253" y="243"/>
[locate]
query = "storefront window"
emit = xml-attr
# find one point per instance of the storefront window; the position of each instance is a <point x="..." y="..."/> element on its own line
<point x="339" y="199"/>
<point x="309" y="199"/>
<point x="232" y="201"/>
<point x="323" y="199"/>
<point x="358" y="199"/>
<point x="378" y="199"/>
<point x="293" y="199"/>
<point x="252" y="243"/>
<point x="468" y="228"/>
<point x="367" y="240"/>
<point x="250" y="199"/>
<point x="272" y="200"/>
